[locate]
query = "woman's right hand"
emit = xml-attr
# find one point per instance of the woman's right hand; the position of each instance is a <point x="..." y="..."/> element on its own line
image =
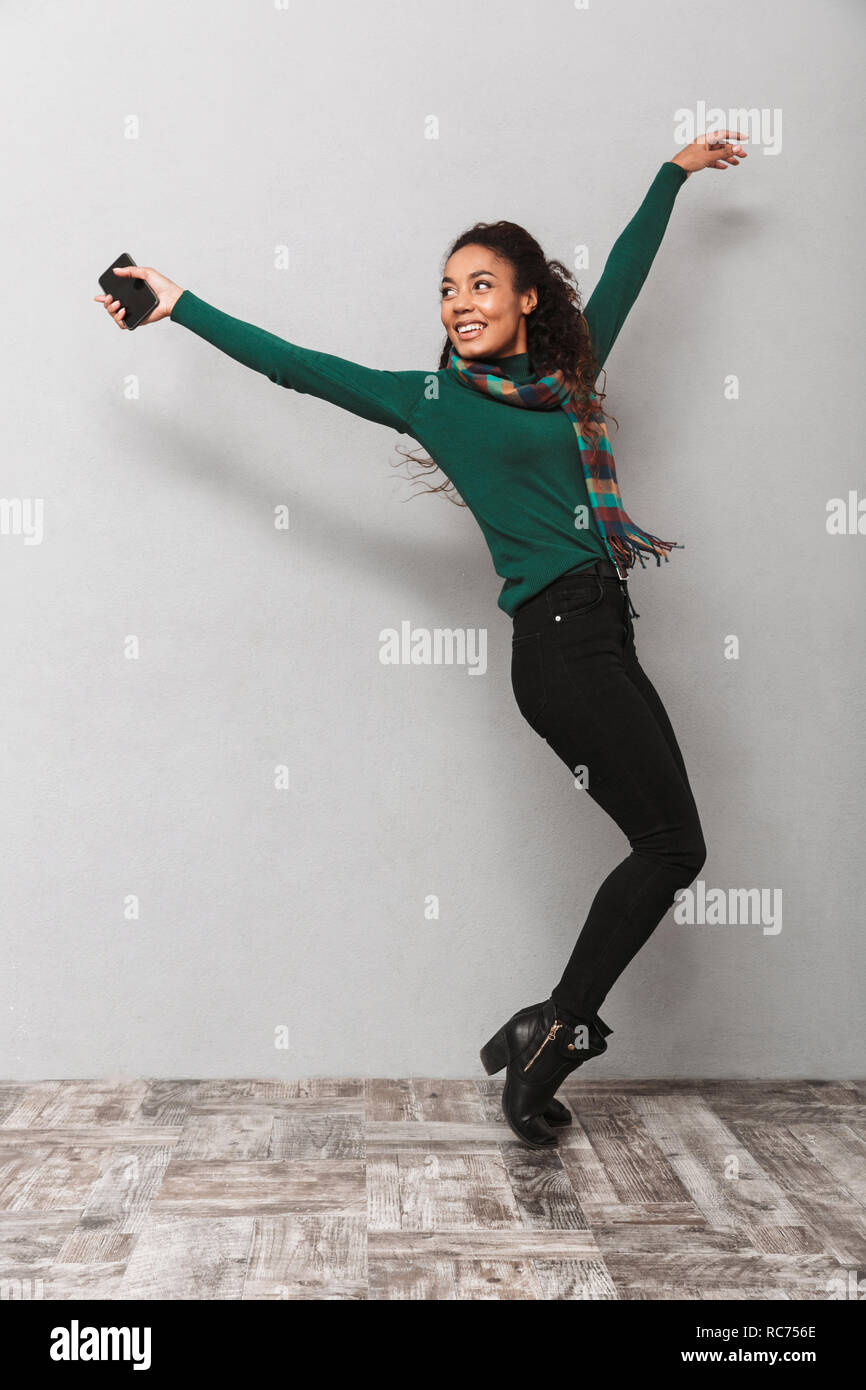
<point x="167" y="292"/>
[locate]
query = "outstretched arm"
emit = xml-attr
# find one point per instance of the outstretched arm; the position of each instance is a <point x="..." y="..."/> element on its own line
<point x="635" y="248"/>
<point x="387" y="398"/>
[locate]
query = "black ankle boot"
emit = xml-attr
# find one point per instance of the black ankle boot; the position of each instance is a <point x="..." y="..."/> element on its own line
<point x="540" y="1048"/>
<point x="557" y="1114"/>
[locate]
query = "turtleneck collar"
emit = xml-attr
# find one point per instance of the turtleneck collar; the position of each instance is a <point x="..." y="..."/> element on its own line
<point x="518" y="366"/>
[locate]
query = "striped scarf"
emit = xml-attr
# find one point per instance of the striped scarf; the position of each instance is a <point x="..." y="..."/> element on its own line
<point x="625" y="542"/>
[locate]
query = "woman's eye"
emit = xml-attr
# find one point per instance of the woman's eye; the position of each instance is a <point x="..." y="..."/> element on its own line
<point x="479" y="284"/>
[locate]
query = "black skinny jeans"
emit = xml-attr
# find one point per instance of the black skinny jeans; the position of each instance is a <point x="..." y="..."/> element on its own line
<point x="578" y="684"/>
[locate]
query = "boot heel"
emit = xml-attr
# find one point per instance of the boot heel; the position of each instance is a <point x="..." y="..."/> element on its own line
<point x="494" y="1054"/>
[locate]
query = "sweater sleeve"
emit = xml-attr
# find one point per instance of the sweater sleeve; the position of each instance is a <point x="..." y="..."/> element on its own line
<point x="629" y="261"/>
<point x="387" y="398"/>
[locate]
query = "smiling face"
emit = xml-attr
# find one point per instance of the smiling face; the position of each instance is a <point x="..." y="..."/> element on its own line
<point x="481" y="311"/>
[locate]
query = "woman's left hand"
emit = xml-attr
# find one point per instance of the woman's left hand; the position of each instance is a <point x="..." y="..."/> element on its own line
<point x="715" y="150"/>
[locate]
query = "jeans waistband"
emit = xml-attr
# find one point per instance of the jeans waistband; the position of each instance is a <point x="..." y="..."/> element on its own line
<point x="603" y="569"/>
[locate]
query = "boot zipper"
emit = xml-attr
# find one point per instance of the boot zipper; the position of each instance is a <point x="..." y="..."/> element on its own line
<point x="552" y="1034"/>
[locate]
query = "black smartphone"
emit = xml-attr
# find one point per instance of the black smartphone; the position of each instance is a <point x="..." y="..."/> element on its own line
<point x="135" y="295"/>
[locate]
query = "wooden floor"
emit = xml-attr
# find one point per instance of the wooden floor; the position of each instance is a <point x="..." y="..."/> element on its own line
<point x="416" y="1189"/>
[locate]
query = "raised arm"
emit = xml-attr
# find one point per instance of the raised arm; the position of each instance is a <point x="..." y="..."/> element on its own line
<point x="387" y="398"/>
<point x="634" y="250"/>
<point x="629" y="261"/>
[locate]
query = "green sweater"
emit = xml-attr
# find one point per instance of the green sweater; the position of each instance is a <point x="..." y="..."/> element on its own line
<point x="518" y="471"/>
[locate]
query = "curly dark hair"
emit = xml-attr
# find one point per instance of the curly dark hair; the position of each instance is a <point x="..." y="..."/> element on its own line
<point x="556" y="330"/>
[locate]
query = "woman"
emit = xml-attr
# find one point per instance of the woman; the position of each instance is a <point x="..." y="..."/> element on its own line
<point x="541" y="482"/>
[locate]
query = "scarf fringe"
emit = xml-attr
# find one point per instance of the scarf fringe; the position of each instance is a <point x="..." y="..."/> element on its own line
<point x="632" y="546"/>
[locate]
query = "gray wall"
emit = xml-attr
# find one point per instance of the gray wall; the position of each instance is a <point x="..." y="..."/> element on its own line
<point x="305" y="908"/>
